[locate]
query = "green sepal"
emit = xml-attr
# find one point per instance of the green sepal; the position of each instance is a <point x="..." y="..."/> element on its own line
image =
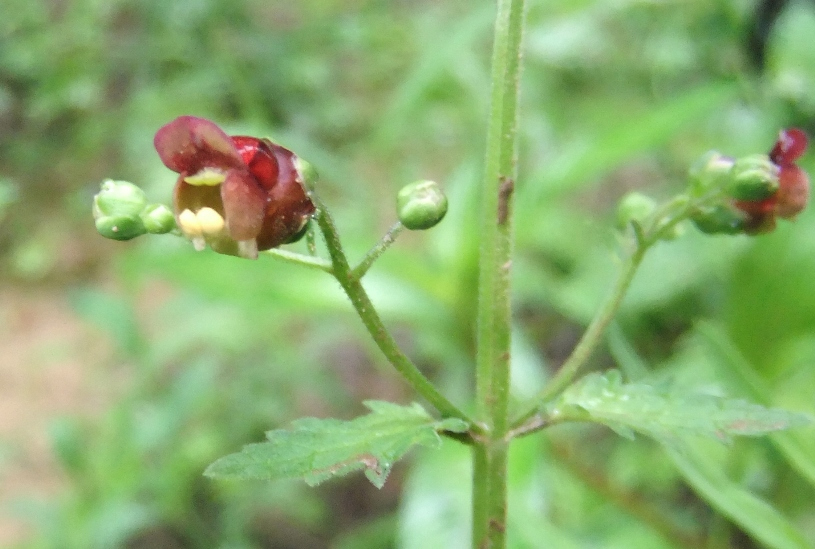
<point x="158" y="219"/>
<point x="120" y="227"/>
<point x="711" y="171"/>
<point x="753" y="177"/>
<point x="719" y="219"/>
<point x="119" y="198"/>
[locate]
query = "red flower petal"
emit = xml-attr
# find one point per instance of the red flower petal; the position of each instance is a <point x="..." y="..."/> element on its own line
<point x="258" y="157"/>
<point x="244" y="205"/>
<point x="289" y="207"/>
<point x="188" y="144"/>
<point x="793" y="191"/>
<point x="790" y="146"/>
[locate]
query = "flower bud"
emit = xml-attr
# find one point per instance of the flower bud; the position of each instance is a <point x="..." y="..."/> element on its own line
<point x="635" y="207"/>
<point x="158" y="219"/>
<point x="753" y="177"/>
<point x="719" y="220"/>
<point x="119" y="198"/>
<point x="709" y="172"/>
<point x="120" y="227"/>
<point x="421" y="205"/>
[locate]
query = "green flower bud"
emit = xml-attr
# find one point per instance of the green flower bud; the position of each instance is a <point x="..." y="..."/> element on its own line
<point x="634" y="207"/>
<point x="120" y="227"/>
<point x="710" y="171"/>
<point x="421" y="205"/>
<point x="157" y="219"/>
<point x="719" y="220"/>
<point x="119" y="198"/>
<point x="753" y="177"/>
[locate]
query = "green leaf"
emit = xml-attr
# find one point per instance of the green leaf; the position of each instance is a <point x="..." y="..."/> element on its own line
<point x="664" y="413"/>
<point x="318" y="449"/>
<point x="753" y="514"/>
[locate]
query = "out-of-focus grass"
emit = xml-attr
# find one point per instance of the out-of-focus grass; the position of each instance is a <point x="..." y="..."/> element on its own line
<point x="616" y="96"/>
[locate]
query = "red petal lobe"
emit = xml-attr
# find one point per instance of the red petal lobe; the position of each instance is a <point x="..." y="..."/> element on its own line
<point x="189" y="143"/>
<point x="244" y="205"/>
<point x="790" y="146"/>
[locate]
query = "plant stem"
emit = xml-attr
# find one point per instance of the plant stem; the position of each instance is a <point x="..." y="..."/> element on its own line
<point x="300" y="259"/>
<point x="591" y="338"/>
<point x="373" y="254"/>
<point x="370" y="318"/>
<point x="494" y="307"/>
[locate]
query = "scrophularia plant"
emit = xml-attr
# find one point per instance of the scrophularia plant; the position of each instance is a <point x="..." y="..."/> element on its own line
<point x="244" y="195"/>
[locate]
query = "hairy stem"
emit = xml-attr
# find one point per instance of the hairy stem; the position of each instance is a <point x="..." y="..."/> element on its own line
<point x="373" y="323"/>
<point x="494" y="308"/>
<point x="588" y="343"/>
<point x="300" y="259"/>
<point x="374" y="253"/>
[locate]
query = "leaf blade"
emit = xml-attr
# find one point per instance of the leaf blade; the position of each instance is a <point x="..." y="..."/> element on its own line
<point x="664" y="413"/>
<point x="319" y="449"/>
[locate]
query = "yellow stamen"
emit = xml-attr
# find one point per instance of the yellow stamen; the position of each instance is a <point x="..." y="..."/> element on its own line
<point x="189" y="224"/>
<point x="210" y="221"/>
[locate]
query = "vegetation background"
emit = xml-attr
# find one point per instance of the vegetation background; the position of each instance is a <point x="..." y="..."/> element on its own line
<point x="126" y="368"/>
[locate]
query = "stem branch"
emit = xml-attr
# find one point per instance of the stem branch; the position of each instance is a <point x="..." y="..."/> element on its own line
<point x="373" y="323"/>
<point x="373" y="254"/>
<point x="591" y="338"/>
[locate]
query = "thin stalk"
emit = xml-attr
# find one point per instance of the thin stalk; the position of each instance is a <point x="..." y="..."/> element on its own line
<point x="300" y="259"/>
<point x="494" y="307"/>
<point x="588" y="343"/>
<point x="373" y="323"/>
<point x="380" y="247"/>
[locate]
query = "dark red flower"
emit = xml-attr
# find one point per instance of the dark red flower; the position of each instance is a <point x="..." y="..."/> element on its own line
<point x="793" y="185"/>
<point x="238" y="194"/>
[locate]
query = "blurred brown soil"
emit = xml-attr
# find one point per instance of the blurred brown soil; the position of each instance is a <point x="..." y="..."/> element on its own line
<point x="48" y="369"/>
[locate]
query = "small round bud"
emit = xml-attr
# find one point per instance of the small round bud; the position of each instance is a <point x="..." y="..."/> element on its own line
<point x="158" y="219"/>
<point x="635" y="207"/>
<point x="308" y="175"/>
<point x="120" y="227"/>
<point x="421" y="205"/>
<point x="709" y="172"/>
<point x="719" y="220"/>
<point x="119" y="198"/>
<point x="753" y="177"/>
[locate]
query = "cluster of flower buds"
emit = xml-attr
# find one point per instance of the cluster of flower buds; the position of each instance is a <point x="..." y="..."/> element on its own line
<point x="121" y="212"/>
<point x="755" y="190"/>
<point x="730" y="196"/>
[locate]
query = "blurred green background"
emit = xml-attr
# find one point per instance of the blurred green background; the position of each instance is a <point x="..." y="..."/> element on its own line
<point x="128" y="367"/>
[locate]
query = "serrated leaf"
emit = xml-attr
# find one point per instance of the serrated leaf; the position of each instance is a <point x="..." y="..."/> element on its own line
<point x="319" y="449"/>
<point x="663" y="412"/>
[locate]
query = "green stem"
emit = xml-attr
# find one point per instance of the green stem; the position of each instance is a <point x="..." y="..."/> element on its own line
<point x="300" y="259"/>
<point x="373" y="254"/>
<point x="494" y="307"/>
<point x="591" y="338"/>
<point x="380" y="334"/>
